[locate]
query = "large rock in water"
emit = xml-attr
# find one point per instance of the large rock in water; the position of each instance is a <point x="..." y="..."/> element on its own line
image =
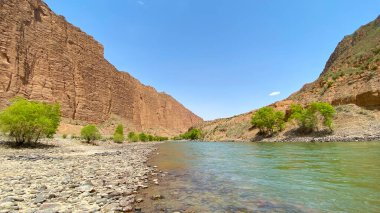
<point x="43" y="57"/>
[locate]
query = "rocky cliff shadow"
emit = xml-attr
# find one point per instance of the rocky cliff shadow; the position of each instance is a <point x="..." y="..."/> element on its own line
<point x="300" y="133"/>
<point x="259" y="137"/>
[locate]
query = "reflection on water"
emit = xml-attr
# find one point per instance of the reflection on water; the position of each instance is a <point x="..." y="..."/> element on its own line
<point x="268" y="177"/>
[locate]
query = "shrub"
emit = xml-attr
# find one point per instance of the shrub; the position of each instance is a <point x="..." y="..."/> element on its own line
<point x="268" y="120"/>
<point x="160" y="138"/>
<point x="118" y="136"/>
<point x="308" y="118"/>
<point x="90" y="133"/>
<point x="133" y="137"/>
<point x="192" y="134"/>
<point x="64" y="136"/>
<point x="28" y="121"/>
<point x="143" y="137"/>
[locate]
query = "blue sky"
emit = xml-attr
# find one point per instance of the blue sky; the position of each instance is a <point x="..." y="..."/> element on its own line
<point x="220" y="57"/>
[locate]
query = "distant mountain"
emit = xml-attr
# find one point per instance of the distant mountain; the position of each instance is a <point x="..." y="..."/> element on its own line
<point x="43" y="57"/>
<point x="351" y="78"/>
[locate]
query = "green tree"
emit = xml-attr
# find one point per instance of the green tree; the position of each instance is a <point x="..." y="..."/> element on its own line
<point x="305" y="117"/>
<point x="28" y="121"/>
<point x="308" y="118"/>
<point x="118" y="136"/>
<point x="326" y="111"/>
<point x="90" y="133"/>
<point x="268" y="120"/>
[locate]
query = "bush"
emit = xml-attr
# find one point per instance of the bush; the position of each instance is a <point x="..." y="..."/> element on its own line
<point x="28" y="121"/>
<point x="311" y="117"/>
<point x="133" y="137"/>
<point x="64" y="136"/>
<point x="192" y="134"/>
<point x="159" y="138"/>
<point x="118" y="136"/>
<point x="268" y="120"/>
<point x="143" y="137"/>
<point x="90" y="133"/>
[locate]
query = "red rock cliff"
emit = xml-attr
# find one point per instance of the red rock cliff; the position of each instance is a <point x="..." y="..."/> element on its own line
<point x="43" y="57"/>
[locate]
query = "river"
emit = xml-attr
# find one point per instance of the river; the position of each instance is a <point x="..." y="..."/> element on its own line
<point x="267" y="177"/>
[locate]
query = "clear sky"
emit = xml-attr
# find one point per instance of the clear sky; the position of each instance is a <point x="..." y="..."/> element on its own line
<point x="219" y="57"/>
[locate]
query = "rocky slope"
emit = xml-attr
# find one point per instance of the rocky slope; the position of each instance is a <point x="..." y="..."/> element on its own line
<point x="352" y="73"/>
<point x="43" y="57"/>
<point x="351" y="78"/>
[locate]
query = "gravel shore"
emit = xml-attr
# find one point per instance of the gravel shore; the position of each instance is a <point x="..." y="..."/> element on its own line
<point x="331" y="138"/>
<point x="66" y="175"/>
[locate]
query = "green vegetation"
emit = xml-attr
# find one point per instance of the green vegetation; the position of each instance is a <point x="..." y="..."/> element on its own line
<point x="90" y="133"/>
<point x="28" y="121"/>
<point x="160" y="138"/>
<point x="64" y="136"/>
<point x="133" y="137"/>
<point x="268" y="120"/>
<point x="192" y="134"/>
<point x="305" y="118"/>
<point x="311" y="117"/>
<point x="118" y="136"/>
<point x="143" y="137"/>
<point x="334" y="75"/>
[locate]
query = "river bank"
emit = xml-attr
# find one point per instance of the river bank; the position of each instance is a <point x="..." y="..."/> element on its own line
<point x="351" y="123"/>
<point x="64" y="175"/>
<point x="306" y="139"/>
<point x="332" y="138"/>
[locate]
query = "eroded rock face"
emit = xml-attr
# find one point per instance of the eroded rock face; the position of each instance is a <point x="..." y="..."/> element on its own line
<point x="352" y="73"/>
<point x="43" y="57"/>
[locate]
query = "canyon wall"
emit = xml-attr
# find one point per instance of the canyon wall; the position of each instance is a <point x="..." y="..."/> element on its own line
<point x="45" y="58"/>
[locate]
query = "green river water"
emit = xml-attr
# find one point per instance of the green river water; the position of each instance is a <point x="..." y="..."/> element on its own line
<point x="268" y="177"/>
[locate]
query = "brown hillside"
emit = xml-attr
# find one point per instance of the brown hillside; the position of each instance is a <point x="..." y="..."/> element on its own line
<point x="43" y="57"/>
<point x="351" y="78"/>
<point x="352" y="74"/>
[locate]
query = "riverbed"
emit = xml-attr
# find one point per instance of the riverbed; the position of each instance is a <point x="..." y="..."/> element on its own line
<point x="266" y="177"/>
